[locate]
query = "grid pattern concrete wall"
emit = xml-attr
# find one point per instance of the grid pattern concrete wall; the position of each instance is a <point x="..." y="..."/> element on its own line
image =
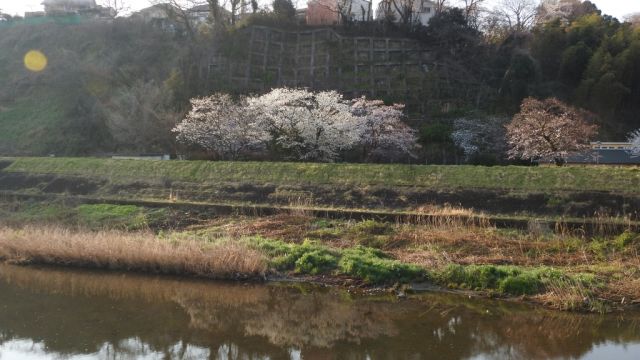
<point x="387" y="68"/>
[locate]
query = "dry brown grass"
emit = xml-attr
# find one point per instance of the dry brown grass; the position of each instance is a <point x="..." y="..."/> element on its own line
<point x="566" y="295"/>
<point x="129" y="251"/>
<point x="288" y="227"/>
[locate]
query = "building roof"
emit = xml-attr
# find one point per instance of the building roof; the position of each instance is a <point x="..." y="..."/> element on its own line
<point x="606" y="156"/>
<point x="71" y="2"/>
<point x="200" y="8"/>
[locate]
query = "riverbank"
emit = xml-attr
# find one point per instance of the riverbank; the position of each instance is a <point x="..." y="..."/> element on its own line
<point x="566" y="238"/>
<point x="561" y="271"/>
<point x="506" y="192"/>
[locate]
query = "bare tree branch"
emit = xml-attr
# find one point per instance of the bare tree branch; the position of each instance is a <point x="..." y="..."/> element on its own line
<point x="516" y="15"/>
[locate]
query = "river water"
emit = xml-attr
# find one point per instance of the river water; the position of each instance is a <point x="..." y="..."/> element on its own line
<point x="51" y="313"/>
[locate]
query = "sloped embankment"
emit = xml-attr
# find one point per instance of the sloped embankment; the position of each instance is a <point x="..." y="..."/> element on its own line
<point x="570" y="192"/>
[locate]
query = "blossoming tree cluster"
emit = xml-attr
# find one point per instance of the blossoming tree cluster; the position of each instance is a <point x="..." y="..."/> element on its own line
<point x="305" y="125"/>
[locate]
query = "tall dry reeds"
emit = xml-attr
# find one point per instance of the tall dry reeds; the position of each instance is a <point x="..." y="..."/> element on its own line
<point x="129" y="251"/>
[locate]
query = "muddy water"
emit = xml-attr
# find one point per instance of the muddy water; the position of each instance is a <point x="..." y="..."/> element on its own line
<point x="63" y="314"/>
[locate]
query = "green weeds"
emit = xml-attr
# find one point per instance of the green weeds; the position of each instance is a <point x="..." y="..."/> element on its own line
<point x="374" y="266"/>
<point x="90" y="216"/>
<point x="311" y="258"/>
<point x="509" y="280"/>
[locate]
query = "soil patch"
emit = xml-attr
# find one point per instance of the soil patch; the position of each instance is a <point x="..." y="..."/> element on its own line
<point x="73" y="186"/>
<point x="5" y="164"/>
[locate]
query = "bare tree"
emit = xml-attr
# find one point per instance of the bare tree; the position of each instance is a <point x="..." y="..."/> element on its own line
<point x="472" y="11"/>
<point x="441" y="5"/>
<point x="349" y="10"/>
<point x="549" y="129"/>
<point x="179" y="12"/>
<point x="237" y="7"/>
<point x="405" y="9"/>
<point x="140" y="117"/>
<point x="118" y="7"/>
<point x="214" y="11"/>
<point x="516" y="15"/>
<point x="402" y="11"/>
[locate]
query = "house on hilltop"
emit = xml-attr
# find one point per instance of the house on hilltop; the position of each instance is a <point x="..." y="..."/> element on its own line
<point x="161" y="14"/>
<point x="407" y="11"/>
<point x="68" y="6"/>
<point x="335" y="12"/>
<point x="76" y="7"/>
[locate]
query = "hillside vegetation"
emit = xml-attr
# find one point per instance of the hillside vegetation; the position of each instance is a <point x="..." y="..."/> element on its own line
<point x="121" y="86"/>
<point x="71" y="107"/>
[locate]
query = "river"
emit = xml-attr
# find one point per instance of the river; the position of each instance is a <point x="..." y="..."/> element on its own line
<point x="53" y="313"/>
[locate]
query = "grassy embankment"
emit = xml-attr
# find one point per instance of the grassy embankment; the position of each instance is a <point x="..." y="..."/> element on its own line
<point x="619" y="179"/>
<point x="506" y="192"/>
<point x="567" y="271"/>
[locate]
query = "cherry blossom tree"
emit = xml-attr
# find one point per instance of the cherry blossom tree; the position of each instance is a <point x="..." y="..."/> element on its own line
<point x="383" y="135"/>
<point x="550" y="10"/>
<point x="548" y="129"/>
<point x="634" y="139"/>
<point x="311" y="126"/>
<point x="223" y="126"/>
<point x="633" y="19"/>
<point x="480" y="136"/>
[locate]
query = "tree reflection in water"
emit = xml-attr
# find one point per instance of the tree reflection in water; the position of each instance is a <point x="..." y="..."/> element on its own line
<point x="62" y="313"/>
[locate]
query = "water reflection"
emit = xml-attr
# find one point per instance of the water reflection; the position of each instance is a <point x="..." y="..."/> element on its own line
<point x="53" y="313"/>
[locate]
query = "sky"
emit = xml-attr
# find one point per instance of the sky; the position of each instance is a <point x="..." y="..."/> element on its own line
<point x="617" y="8"/>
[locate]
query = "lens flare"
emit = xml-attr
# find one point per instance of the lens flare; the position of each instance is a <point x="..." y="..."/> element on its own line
<point x="35" y="61"/>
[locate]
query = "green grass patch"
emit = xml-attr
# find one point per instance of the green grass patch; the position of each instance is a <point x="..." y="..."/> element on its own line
<point x="626" y="239"/>
<point x="509" y="280"/>
<point x="306" y="258"/>
<point x="29" y="125"/>
<point x="371" y="233"/>
<point x="112" y="216"/>
<point x="311" y="258"/>
<point x="91" y="216"/>
<point x="37" y="213"/>
<point x="620" y="179"/>
<point x="374" y="266"/>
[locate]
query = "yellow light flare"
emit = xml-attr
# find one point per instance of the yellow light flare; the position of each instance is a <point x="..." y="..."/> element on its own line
<point x="35" y="61"/>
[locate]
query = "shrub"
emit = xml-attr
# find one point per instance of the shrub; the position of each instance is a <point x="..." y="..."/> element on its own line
<point x="315" y="262"/>
<point x="372" y="227"/>
<point x="504" y="279"/>
<point x="305" y="258"/>
<point x="373" y="266"/>
<point x="522" y="284"/>
<point x="625" y="239"/>
<point x="371" y="233"/>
